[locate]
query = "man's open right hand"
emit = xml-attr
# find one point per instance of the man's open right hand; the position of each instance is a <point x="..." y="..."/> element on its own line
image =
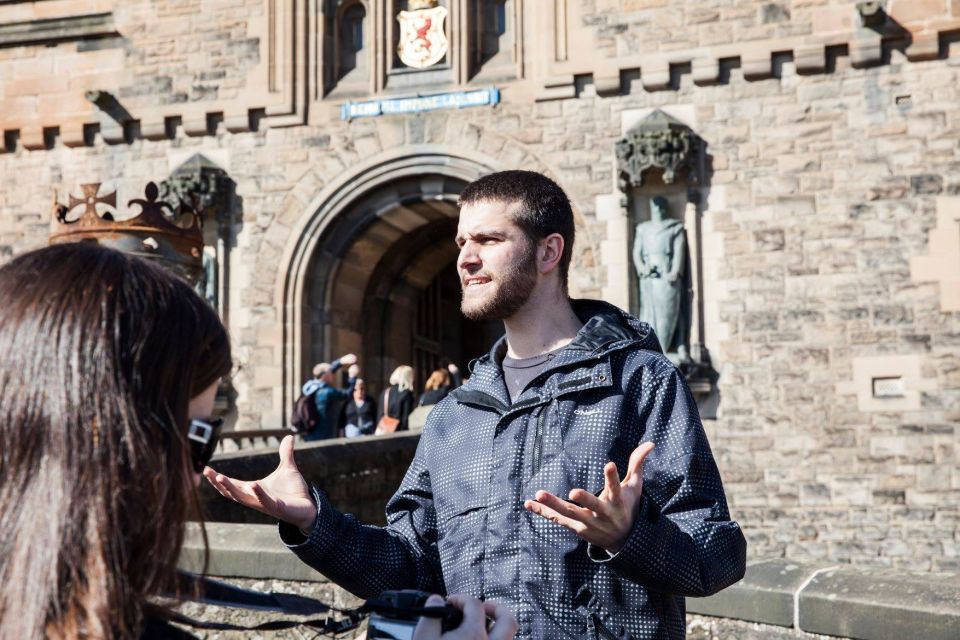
<point x="283" y="494"/>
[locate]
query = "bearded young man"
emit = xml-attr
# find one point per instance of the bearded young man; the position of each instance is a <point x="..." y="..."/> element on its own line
<point x="515" y="493"/>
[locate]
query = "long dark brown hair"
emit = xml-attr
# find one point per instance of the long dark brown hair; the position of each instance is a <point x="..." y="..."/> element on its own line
<point x="100" y="355"/>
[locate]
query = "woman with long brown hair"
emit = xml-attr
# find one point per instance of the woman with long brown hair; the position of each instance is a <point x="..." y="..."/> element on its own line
<point x="108" y="372"/>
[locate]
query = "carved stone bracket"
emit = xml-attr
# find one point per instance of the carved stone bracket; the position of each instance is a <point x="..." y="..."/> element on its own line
<point x="662" y="142"/>
<point x="204" y="186"/>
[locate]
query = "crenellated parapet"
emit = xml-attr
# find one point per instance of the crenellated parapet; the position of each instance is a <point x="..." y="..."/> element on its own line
<point x="76" y="71"/>
<point x="161" y="69"/>
<point x="755" y="37"/>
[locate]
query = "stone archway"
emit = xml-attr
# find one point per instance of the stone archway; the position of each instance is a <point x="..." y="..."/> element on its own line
<point x="374" y="240"/>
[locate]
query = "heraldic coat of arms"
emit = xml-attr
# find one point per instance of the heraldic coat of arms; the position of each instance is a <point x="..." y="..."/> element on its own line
<point x="423" y="42"/>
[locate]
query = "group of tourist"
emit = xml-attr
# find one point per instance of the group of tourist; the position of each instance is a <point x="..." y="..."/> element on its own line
<point x="569" y="483"/>
<point x="350" y="411"/>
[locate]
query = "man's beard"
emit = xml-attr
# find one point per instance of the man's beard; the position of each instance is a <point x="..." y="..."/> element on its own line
<point x="513" y="290"/>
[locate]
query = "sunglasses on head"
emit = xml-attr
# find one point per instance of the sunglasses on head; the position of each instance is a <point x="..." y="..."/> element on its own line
<point x="203" y="436"/>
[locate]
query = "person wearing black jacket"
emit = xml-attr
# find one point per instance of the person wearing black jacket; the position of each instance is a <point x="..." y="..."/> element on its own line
<point x="570" y="478"/>
<point x="359" y="414"/>
<point x="436" y="388"/>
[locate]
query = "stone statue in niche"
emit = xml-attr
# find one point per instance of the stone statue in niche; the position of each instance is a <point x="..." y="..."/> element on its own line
<point x="659" y="257"/>
<point x="207" y="286"/>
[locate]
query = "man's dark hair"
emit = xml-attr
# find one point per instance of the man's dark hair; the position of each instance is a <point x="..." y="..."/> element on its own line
<point x="544" y="207"/>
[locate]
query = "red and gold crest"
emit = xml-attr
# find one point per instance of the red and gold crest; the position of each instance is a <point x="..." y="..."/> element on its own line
<point x="423" y="41"/>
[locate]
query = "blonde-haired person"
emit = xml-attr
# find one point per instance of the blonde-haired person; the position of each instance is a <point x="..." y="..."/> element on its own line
<point x="397" y="400"/>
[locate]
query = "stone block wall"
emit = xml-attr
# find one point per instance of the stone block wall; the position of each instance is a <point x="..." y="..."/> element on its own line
<point x="830" y="249"/>
<point x="178" y="60"/>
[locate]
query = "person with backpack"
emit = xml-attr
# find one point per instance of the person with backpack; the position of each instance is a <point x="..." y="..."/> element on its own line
<point x="396" y="402"/>
<point x="315" y="412"/>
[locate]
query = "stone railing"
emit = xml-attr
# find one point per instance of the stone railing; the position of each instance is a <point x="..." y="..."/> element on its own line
<point x="251" y="439"/>
<point x="777" y="597"/>
<point x="359" y="474"/>
<point x="841" y="600"/>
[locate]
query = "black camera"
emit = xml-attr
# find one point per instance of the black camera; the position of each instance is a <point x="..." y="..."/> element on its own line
<point x="394" y="615"/>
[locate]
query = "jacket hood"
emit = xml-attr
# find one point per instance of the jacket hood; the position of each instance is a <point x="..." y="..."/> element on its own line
<point x="311" y="386"/>
<point x="605" y="327"/>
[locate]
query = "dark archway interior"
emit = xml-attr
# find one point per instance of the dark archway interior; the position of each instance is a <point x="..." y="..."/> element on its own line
<point x="441" y="334"/>
<point x="412" y="309"/>
<point x="383" y="284"/>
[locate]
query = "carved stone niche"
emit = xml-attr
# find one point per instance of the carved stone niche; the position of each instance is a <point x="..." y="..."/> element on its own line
<point x="661" y="169"/>
<point x="346" y="48"/>
<point x="205" y="186"/>
<point x="492" y="39"/>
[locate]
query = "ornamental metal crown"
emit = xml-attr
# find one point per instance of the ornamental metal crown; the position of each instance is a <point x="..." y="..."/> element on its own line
<point x="171" y="236"/>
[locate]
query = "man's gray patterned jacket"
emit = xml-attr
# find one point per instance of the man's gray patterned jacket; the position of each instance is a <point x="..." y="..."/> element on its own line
<point x="457" y="524"/>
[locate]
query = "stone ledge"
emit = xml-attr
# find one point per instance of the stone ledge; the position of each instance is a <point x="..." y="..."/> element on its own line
<point x="54" y="30"/>
<point x="881" y="604"/>
<point x="244" y="551"/>
<point x="764" y="595"/>
<point x="869" y="603"/>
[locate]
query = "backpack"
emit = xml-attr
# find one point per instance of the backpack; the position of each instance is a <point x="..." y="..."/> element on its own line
<point x="305" y="416"/>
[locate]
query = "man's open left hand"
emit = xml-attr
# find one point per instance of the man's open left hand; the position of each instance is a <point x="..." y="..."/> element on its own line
<point x="283" y="494"/>
<point x="604" y="521"/>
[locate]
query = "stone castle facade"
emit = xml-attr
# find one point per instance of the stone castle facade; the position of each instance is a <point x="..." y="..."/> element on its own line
<point x="810" y="149"/>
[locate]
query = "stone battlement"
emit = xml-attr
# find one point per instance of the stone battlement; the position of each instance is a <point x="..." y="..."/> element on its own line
<point x="244" y="69"/>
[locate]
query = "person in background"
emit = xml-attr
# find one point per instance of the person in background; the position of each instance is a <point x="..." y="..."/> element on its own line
<point x="396" y="401"/>
<point x="359" y="415"/>
<point x="326" y="395"/>
<point x="436" y="388"/>
<point x="456" y="378"/>
<point x="108" y="375"/>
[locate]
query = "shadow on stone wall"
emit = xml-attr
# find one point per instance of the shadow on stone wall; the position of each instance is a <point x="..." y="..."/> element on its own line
<point x="360" y="475"/>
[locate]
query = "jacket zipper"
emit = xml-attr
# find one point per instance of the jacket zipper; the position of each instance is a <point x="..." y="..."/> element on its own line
<point x="538" y="439"/>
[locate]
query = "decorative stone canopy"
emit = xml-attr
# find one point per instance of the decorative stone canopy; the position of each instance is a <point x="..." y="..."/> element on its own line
<point x="202" y="185"/>
<point x="662" y="142"/>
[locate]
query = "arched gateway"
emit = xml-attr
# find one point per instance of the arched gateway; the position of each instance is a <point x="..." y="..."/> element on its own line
<point x="370" y="269"/>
